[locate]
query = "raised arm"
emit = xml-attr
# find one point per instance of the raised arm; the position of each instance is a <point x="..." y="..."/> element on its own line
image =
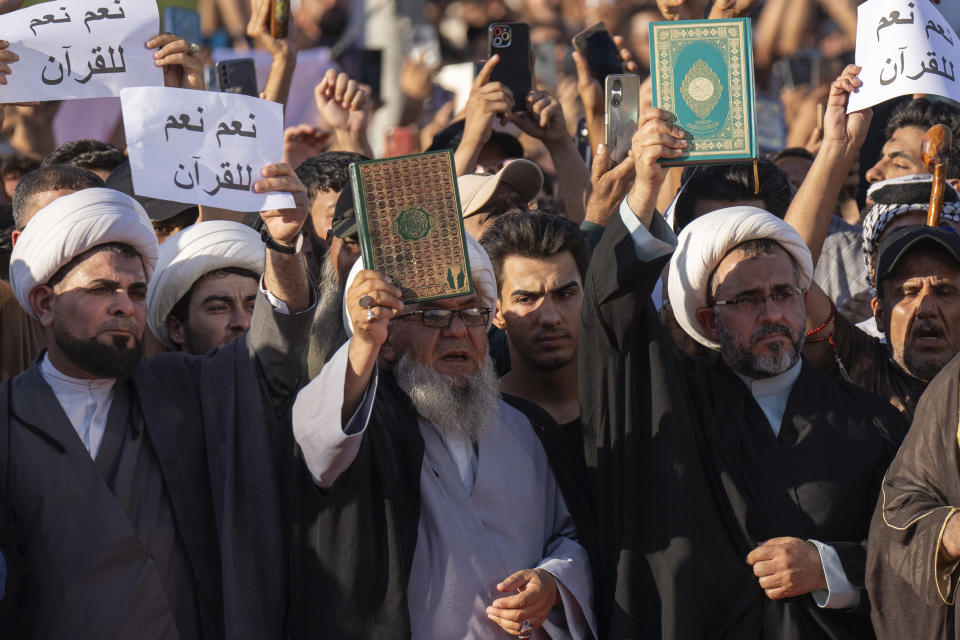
<point x="344" y="105"/>
<point x="285" y="275"/>
<point x="813" y="206"/>
<point x="543" y="119"/>
<point x="330" y="414"/>
<point x="282" y="50"/>
<point x="487" y="100"/>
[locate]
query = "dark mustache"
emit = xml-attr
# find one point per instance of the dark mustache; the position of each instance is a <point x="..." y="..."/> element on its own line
<point x="775" y="329"/>
<point x="120" y="324"/>
<point x="928" y="330"/>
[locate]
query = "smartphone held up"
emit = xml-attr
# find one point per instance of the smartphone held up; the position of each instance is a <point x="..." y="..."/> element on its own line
<point x="622" y="97"/>
<point x="511" y="41"/>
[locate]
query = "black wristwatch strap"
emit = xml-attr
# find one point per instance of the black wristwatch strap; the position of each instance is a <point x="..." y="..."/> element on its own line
<point x="281" y="248"/>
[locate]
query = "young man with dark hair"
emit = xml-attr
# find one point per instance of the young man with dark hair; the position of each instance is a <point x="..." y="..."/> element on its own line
<point x="713" y="187"/>
<point x="540" y="260"/>
<point x="96" y="156"/>
<point x="905" y="130"/>
<point x="205" y="285"/>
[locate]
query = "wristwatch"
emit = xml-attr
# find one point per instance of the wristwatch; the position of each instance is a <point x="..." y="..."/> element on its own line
<point x="281" y="248"/>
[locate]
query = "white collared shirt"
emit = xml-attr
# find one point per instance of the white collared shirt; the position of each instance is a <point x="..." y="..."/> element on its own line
<point x="86" y="402"/>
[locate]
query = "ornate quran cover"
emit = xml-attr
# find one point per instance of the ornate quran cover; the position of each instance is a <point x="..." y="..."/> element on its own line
<point x="703" y="73"/>
<point x="410" y="225"/>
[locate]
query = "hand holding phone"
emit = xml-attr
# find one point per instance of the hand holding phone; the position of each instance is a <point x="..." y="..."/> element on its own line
<point x="486" y="101"/>
<point x="235" y="76"/>
<point x="622" y="113"/>
<point x="510" y="41"/>
<point x="596" y="45"/>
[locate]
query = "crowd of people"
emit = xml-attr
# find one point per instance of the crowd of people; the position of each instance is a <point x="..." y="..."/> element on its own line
<point x="690" y="402"/>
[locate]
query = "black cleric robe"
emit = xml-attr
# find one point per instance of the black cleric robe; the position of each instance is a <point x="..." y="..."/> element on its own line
<point x="190" y="479"/>
<point x="913" y="594"/>
<point x="691" y="478"/>
<point x="353" y="545"/>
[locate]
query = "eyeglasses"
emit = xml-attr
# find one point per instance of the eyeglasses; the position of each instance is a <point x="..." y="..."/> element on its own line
<point x="442" y="318"/>
<point x="746" y="302"/>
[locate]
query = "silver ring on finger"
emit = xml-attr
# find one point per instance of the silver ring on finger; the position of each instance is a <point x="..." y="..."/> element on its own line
<point x="371" y="316"/>
<point x="526" y="629"/>
<point x="193" y="49"/>
<point x="365" y="301"/>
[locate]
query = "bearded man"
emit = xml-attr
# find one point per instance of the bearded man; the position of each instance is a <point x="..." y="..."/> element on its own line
<point x="916" y="306"/>
<point x="328" y="333"/>
<point x="456" y="523"/>
<point x="734" y="494"/>
<point x="127" y="484"/>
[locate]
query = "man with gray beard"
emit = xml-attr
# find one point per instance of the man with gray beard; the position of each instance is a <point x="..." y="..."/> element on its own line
<point x="439" y="512"/>
<point x="344" y="249"/>
<point x="734" y="494"/>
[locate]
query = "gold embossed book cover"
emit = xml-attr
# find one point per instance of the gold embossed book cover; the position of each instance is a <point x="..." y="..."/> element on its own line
<point x="410" y="225"/>
<point x="703" y="73"/>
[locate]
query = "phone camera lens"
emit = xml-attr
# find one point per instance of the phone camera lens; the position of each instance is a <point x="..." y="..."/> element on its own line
<point x="615" y="101"/>
<point x="617" y="85"/>
<point x="496" y="31"/>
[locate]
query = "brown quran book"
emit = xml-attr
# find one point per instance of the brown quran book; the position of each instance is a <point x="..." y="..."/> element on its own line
<point x="410" y="226"/>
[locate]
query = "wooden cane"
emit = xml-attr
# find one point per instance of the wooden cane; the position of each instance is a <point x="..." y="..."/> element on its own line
<point x="933" y="152"/>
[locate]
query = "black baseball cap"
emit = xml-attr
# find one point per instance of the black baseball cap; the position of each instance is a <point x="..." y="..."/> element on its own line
<point x="344" y="224"/>
<point x="902" y="241"/>
<point x="158" y="210"/>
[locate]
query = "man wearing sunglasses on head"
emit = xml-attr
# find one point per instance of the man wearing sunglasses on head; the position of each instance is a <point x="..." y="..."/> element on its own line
<point x="440" y="515"/>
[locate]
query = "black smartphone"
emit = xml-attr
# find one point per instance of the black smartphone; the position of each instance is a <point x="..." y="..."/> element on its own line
<point x="511" y="41"/>
<point x="371" y="68"/>
<point x="596" y="45"/>
<point x="184" y="23"/>
<point x="236" y="76"/>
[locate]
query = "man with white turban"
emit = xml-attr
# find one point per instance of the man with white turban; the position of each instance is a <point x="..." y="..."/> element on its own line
<point x="734" y="493"/>
<point x="127" y="484"/>
<point x="456" y="523"/>
<point x="203" y="292"/>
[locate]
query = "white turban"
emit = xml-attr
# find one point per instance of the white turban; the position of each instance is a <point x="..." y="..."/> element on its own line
<point x="706" y="241"/>
<point x="481" y="270"/>
<point x="71" y="225"/>
<point x="192" y="253"/>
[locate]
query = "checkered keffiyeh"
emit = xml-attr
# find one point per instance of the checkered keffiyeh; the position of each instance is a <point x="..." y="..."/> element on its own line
<point x="896" y="197"/>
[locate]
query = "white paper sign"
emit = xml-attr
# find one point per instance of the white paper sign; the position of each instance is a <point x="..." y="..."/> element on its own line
<point x="80" y="49"/>
<point x="904" y="47"/>
<point x="203" y="147"/>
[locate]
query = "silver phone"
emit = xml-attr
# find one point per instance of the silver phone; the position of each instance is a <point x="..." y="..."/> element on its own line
<point x="622" y="92"/>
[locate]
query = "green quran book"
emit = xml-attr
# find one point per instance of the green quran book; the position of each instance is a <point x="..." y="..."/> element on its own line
<point x="702" y="72"/>
<point x="410" y="226"/>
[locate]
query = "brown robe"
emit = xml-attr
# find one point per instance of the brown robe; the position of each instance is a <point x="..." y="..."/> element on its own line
<point x="912" y="596"/>
<point x="21" y="337"/>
